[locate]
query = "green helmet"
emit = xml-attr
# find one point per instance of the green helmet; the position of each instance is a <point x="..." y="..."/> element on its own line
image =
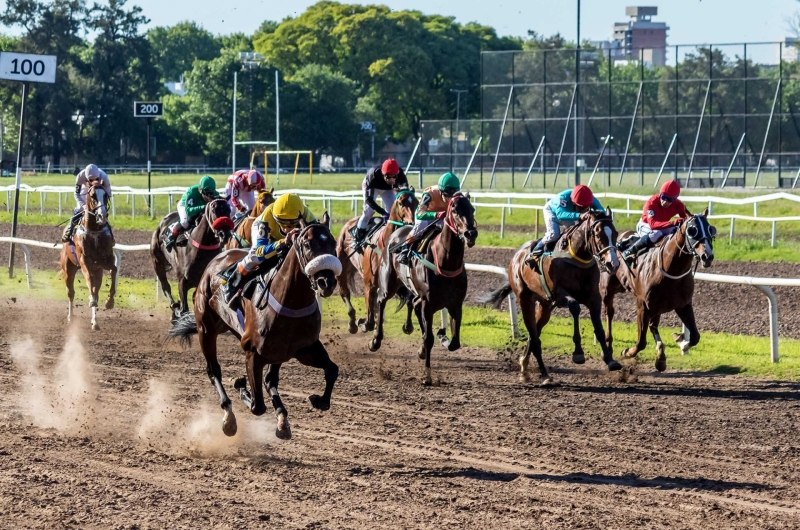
<point x="449" y="183"/>
<point x="208" y="185"/>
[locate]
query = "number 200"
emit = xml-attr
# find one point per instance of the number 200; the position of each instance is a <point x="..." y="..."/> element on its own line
<point x="148" y="109"/>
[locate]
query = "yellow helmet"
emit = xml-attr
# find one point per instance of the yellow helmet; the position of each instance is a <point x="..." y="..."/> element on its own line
<point x="288" y="208"/>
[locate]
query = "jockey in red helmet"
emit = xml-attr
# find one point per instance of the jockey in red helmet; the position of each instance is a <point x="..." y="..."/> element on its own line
<point x="564" y="210"/>
<point x="657" y="219"/>
<point x="383" y="180"/>
<point x="242" y="188"/>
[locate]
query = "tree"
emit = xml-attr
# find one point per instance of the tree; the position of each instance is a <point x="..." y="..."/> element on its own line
<point x="175" y="48"/>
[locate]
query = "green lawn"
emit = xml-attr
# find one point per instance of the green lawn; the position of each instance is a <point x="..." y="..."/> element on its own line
<point x="717" y="352"/>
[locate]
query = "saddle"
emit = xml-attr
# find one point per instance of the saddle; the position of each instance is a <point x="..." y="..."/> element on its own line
<point x="421" y="245"/>
<point x="374" y="226"/>
<point x="237" y="221"/>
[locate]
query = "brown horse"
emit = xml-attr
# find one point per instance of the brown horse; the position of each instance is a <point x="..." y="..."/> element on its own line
<point x="281" y="321"/>
<point x="569" y="277"/>
<point x="663" y="282"/>
<point x="213" y="230"/>
<point x="242" y="228"/>
<point x="367" y="264"/>
<point x="92" y="253"/>
<point x="439" y="282"/>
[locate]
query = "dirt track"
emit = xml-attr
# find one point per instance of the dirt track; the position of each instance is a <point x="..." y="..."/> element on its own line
<point x="479" y="450"/>
<point x="719" y="307"/>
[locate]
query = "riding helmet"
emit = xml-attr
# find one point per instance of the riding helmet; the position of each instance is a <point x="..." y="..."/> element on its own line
<point x="671" y="189"/>
<point x="582" y="196"/>
<point x="390" y="167"/>
<point x="254" y="178"/>
<point x="92" y="172"/>
<point x="208" y="185"/>
<point x="288" y="208"/>
<point x="449" y="183"/>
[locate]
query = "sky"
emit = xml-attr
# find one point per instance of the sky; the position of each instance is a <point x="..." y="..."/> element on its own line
<point x="690" y="21"/>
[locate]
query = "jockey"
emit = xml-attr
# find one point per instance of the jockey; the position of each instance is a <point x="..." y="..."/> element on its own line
<point x="272" y="235"/>
<point x="242" y="188"/>
<point x="432" y="209"/>
<point x="656" y="221"/>
<point x="385" y="179"/>
<point x="90" y="176"/>
<point x="564" y="210"/>
<point x="192" y="203"/>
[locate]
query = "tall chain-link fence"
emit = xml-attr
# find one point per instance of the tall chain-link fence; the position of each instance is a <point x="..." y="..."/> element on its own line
<point x="708" y="114"/>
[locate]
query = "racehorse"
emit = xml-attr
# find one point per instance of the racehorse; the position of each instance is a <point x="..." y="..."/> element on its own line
<point x="213" y="230"/>
<point x="280" y="322"/>
<point x="663" y="282"/>
<point x="92" y="252"/>
<point x="439" y="282"/>
<point x="569" y="277"/>
<point x="242" y="227"/>
<point x="368" y="263"/>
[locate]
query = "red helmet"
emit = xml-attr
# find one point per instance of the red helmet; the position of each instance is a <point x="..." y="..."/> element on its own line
<point x="390" y="167"/>
<point x="254" y="178"/>
<point x="671" y="189"/>
<point x="582" y="196"/>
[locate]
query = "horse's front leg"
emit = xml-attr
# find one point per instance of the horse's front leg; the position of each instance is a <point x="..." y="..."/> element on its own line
<point x="661" y="356"/>
<point x="427" y="342"/>
<point x="255" y="370"/>
<point x="686" y="314"/>
<point x="271" y="379"/>
<point x="595" y="309"/>
<point x="112" y="292"/>
<point x="208" y="345"/>
<point x="70" y="270"/>
<point x="344" y="292"/>
<point x="316" y="356"/>
<point x="93" y="282"/>
<point x="578" y="357"/>
<point x="455" y="327"/>
<point x="608" y="302"/>
<point x="183" y="287"/>
<point x="642" y="321"/>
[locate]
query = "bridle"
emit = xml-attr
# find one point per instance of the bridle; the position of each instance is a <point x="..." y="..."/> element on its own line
<point x="299" y="245"/>
<point x="595" y="249"/>
<point x="689" y="245"/>
<point x="448" y="218"/>
<point x="395" y="207"/>
<point x="97" y="210"/>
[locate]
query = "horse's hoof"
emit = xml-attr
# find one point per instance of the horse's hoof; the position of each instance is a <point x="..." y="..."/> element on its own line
<point x="454" y="345"/>
<point x="408" y="329"/>
<point x="661" y="364"/>
<point x="578" y="358"/>
<point x="421" y="353"/>
<point x="95" y="326"/>
<point x="110" y="303"/>
<point x="374" y="345"/>
<point x="548" y="382"/>
<point x="353" y="329"/>
<point x="630" y="353"/>
<point x="524" y="377"/>
<point x="318" y="403"/>
<point x="613" y="366"/>
<point x="283" y="431"/>
<point x="678" y="337"/>
<point x="229" y="427"/>
<point x="239" y="383"/>
<point x="427" y="381"/>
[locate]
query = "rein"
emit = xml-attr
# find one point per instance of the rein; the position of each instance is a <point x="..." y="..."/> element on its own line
<point x="686" y="250"/>
<point x="209" y="222"/>
<point x="596" y="253"/>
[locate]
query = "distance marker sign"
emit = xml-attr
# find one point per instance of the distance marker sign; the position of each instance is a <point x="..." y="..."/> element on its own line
<point x="28" y="67"/>
<point x="148" y="109"/>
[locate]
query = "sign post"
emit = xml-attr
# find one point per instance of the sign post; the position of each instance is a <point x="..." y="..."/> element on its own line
<point x="24" y="67"/>
<point x="149" y="110"/>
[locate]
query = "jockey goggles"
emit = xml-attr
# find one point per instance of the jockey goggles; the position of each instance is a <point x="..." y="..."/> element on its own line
<point x="667" y="198"/>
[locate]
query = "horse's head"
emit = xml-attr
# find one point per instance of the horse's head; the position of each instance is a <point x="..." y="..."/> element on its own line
<point x="316" y="248"/>
<point x="700" y="236"/>
<point x="404" y="207"/>
<point x="460" y="218"/>
<point x="264" y="199"/>
<point x="96" y="206"/>
<point x="218" y="217"/>
<point x="601" y="237"/>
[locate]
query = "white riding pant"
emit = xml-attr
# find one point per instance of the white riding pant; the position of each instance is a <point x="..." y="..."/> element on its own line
<point x="387" y="198"/>
<point x="420" y="225"/>
<point x="553" y="226"/>
<point x="182" y="216"/>
<point x="643" y="229"/>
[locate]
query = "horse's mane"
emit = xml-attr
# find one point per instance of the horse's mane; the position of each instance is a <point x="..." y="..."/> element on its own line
<point x="258" y="209"/>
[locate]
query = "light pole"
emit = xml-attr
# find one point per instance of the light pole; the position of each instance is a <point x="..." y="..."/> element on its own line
<point x="577" y="98"/>
<point x="458" y="110"/>
<point x="250" y="61"/>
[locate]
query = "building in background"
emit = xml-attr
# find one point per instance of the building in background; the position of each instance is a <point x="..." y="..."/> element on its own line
<point x="638" y="38"/>
<point x="789" y="49"/>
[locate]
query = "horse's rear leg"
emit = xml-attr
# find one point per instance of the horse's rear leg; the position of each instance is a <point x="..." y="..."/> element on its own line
<point x="344" y="292"/>
<point x="183" y="287"/>
<point x="370" y="296"/>
<point x="112" y="292"/>
<point x="160" y="266"/>
<point x="271" y="379"/>
<point x="578" y="356"/>
<point x="686" y="314"/>
<point x="316" y="356"/>
<point x="208" y="345"/>
<point x="531" y="315"/>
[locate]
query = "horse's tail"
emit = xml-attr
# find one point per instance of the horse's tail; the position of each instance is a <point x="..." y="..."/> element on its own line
<point x="183" y="329"/>
<point x="405" y="297"/>
<point x="495" y="298"/>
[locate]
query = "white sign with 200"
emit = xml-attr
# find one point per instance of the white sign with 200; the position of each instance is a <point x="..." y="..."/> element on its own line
<point x="28" y="67"/>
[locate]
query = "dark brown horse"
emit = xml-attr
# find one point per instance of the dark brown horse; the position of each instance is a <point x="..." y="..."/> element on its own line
<point x="92" y="253"/>
<point x="367" y="264"/>
<point x="569" y="278"/>
<point x="439" y="282"/>
<point x="205" y="241"/>
<point x="280" y="322"/>
<point x="242" y="231"/>
<point x="663" y="282"/>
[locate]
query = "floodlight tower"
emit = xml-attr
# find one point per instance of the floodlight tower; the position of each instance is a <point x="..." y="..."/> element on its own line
<point x="250" y="62"/>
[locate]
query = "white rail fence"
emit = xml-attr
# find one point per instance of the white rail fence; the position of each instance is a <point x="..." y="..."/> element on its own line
<point x="762" y="284"/>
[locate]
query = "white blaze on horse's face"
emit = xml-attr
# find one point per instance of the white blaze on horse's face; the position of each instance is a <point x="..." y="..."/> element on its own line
<point x="101" y="214"/>
<point x="611" y="251"/>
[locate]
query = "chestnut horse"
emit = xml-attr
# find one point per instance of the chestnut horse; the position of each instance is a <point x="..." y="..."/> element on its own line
<point x="92" y="253"/>
<point x="281" y="321"/>
<point x="663" y="282"/>
<point x="242" y="227"/>
<point x="569" y="278"/>
<point x="213" y="230"/>
<point x="439" y="282"/>
<point x="368" y="263"/>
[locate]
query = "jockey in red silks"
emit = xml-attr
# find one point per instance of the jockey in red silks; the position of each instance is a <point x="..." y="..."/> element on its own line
<point x="241" y="188"/>
<point x="657" y="219"/>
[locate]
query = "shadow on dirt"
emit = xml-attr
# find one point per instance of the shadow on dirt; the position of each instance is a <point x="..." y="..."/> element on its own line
<point x="766" y="392"/>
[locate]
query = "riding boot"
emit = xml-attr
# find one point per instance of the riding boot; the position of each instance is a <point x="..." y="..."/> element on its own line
<point x="172" y="236"/>
<point x="631" y="252"/>
<point x="66" y="237"/>
<point x="536" y="252"/>
<point x="233" y="279"/>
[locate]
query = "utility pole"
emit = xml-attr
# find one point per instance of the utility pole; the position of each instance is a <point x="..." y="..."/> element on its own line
<point x="458" y="111"/>
<point x="576" y="136"/>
